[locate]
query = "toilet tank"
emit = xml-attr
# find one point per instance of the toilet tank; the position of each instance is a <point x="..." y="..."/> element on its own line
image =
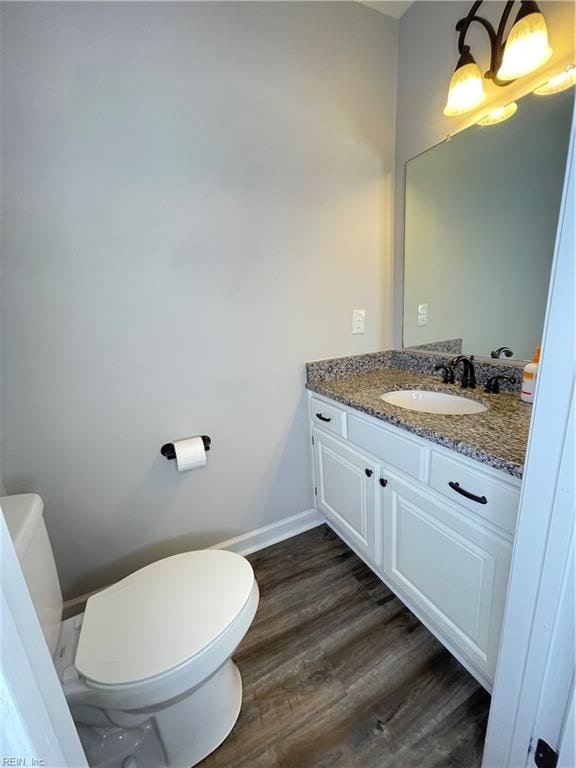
<point x="25" y="520"/>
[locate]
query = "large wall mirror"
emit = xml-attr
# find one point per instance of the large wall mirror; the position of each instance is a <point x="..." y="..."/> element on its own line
<point x="481" y="218"/>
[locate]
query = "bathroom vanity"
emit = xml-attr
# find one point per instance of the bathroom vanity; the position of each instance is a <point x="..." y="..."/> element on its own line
<point x="428" y="501"/>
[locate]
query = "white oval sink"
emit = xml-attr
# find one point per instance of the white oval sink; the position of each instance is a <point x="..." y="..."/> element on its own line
<point x="433" y="402"/>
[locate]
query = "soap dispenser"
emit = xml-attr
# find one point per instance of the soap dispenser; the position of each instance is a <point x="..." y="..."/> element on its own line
<point x="529" y="378"/>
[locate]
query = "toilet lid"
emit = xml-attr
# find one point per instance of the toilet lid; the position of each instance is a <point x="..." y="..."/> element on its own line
<point x="161" y="615"/>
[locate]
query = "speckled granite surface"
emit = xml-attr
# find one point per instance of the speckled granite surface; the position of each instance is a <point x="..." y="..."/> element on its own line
<point x="449" y="346"/>
<point x="497" y="437"/>
<point x="422" y="362"/>
<point x="411" y="361"/>
<point x="333" y="368"/>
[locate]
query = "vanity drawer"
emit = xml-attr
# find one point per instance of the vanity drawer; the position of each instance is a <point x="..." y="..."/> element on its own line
<point x="481" y="493"/>
<point x="328" y="416"/>
<point x="401" y="452"/>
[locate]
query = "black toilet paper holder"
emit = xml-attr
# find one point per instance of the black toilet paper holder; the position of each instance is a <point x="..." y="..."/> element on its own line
<point x="169" y="452"/>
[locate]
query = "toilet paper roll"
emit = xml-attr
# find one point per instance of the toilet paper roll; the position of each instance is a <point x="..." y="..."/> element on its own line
<point x="190" y="453"/>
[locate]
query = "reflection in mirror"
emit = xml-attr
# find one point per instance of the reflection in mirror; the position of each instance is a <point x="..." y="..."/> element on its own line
<point x="481" y="216"/>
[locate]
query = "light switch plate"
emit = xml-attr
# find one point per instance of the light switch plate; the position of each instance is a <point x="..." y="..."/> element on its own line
<point x="422" y="318"/>
<point x="358" y="318"/>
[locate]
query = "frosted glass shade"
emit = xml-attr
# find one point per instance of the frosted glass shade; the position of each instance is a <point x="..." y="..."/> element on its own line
<point x="499" y="115"/>
<point x="558" y="83"/>
<point x="526" y="48"/>
<point x="466" y="90"/>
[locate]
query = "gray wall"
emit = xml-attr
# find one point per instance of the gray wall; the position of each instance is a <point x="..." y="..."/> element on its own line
<point x="195" y="196"/>
<point x="426" y="60"/>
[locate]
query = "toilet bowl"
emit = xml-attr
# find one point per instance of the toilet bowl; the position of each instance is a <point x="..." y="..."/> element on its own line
<point x="146" y="669"/>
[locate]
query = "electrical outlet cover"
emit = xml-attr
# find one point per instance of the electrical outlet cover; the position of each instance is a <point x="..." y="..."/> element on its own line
<point x="358" y="321"/>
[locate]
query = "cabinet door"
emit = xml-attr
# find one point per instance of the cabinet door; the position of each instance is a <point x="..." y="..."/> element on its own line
<point x="345" y="491"/>
<point x="450" y="567"/>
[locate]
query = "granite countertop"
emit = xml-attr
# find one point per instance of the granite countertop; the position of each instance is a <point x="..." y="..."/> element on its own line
<point x="497" y="437"/>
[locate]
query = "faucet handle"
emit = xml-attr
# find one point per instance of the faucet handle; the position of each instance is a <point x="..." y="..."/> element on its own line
<point x="506" y="351"/>
<point x="447" y="372"/>
<point x="493" y="383"/>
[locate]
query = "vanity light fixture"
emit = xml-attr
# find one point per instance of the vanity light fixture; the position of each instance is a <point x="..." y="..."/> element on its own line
<point x="527" y="46"/>
<point x="499" y="115"/>
<point x="558" y="83"/>
<point x="525" y="50"/>
<point x="466" y="87"/>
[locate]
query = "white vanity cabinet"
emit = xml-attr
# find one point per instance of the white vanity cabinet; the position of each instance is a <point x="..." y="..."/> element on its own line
<point x="436" y="526"/>
<point x="345" y="492"/>
<point x="450" y="566"/>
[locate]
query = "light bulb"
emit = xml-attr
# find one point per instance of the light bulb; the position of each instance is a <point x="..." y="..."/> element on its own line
<point x="558" y="83"/>
<point x="499" y="115"/>
<point x="466" y="89"/>
<point x="526" y="48"/>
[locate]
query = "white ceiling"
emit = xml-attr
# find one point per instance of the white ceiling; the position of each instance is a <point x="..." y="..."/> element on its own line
<point x="391" y="8"/>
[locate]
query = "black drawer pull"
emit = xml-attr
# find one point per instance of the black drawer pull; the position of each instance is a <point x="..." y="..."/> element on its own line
<point x="368" y="472"/>
<point x="323" y="418"/>
<point x="464" y="492"/>
<point x="383" y="482"/>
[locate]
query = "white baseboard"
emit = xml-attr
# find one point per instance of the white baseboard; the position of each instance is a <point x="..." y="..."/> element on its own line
<point x="244" y="544"/>
<point x="77" y="605"/>
<point x="250" y="542"/>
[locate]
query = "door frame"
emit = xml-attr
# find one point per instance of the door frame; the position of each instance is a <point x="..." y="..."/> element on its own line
<point x="544" y="535"/>
<point x="36" y="724"/>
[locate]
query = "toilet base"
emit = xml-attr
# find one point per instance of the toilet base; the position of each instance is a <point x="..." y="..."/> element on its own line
<point x="195" y="726"/>
<point x="178" y="735"/>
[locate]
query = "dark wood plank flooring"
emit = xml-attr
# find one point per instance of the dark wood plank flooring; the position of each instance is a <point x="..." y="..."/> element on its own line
<point x="338" y="673"/>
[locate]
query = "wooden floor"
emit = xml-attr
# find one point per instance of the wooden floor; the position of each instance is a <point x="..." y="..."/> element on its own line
<point x="337" y="672"/>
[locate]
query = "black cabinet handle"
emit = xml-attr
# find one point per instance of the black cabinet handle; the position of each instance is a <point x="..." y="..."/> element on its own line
<point x="383" y="482"/>
<point x="323" y="418"/>
<point x="464" y="492"/>
<point x="369" y="472"/>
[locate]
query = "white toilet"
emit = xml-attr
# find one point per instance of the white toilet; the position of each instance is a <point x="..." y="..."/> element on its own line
<point x="147" y="668"/>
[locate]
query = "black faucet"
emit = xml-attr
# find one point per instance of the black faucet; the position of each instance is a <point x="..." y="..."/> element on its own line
<point x="506" y="351"/>
<point x="447" y="372"/>
<point x="493" y="383"/>
<point x="468" y="372"/>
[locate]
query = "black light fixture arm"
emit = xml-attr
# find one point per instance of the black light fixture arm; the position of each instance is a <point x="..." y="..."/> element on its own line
<point x="497" y="42"/>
